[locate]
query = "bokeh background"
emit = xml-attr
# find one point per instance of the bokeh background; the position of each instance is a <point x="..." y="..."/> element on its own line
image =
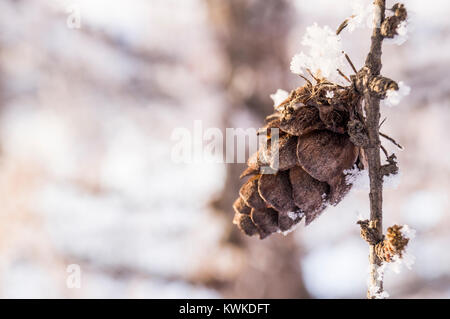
<point x="86" y="177"/>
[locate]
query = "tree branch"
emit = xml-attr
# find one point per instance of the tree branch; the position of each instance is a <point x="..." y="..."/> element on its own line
<point x="371" y="70"/>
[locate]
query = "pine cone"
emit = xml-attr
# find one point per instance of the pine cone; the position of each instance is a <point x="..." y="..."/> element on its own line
<point x="305" y="171"/>
<point x="394" y="244"/>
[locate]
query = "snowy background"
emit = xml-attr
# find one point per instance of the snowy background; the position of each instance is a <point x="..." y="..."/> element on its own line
<point x="86" y="175"/>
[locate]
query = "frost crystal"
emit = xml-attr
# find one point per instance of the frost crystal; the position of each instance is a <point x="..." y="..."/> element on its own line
<point x="361" y="181"/>
<point x="375" y="292"/>
<point x="360" y="216"/>
<point x="407" y="258"/>
<point x="361" y="14"/>
<point x="325" y="53"/>
<point x="402" y="34"/>
<point x="295" y="215"/>
<point x="358" y="178"/>
<point x="380" y="271"/>
<point x="375" y="288"/>
<point x="278" y="97"/>
<point x="393" y="97"/>
<point x="299" y="62"/>
<point x="408" y="232"/>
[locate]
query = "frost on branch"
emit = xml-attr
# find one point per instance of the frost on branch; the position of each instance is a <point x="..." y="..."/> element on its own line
<point x="395" y="27"/>
<point x="407" y="258"/>
<point x="402" y="34"/>
<point x="361" y="15"/>
<point x="394" y="253"/>
<point x="393" y="247"/>
<point x="378" y="293"/>
<point x="278" y="97"/>
<point x="394" y="97"/>
<point x="324" y="56"/>
<point x="358" y="178"/>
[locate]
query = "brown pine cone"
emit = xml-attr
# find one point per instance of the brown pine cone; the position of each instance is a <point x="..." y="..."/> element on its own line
<point x="305" y="171"/>
<point x="394" y="244"/>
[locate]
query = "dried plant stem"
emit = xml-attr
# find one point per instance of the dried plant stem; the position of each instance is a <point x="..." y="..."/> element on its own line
<point x="372" y="108"/>
<point x="391" y="140"/>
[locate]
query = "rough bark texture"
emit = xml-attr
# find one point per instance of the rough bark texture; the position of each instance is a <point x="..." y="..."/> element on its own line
<point x="372" y="108"/>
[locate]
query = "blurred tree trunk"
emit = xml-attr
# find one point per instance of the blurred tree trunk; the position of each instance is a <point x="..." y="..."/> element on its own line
<point x="252" y="36"/>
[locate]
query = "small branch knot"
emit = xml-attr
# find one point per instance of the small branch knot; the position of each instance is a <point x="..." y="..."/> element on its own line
<point x="379" y="85"/>
<point x="391" y="167"/>
<point x="369" y="232"/>
<point x="390" y="24"/>
<point x="400" y="11"/>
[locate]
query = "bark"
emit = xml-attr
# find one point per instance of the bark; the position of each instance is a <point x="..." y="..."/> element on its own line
<point x="370" y="71"/>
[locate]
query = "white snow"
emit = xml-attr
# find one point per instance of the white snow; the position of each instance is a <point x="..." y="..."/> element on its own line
<point x="402" y="34"/>
<point x="295" y="215"/>
<point x="361" y="15"/>
<point x="375" y="292"/>
<point x="324" y="56"/>
<point x="407" y="259"/>
<point x="408" y="232"/>
<point x="358" y="178"/>
<point x="279" y="96"/>
<point x="394" y="97"/>
<point x="397" y="263"/>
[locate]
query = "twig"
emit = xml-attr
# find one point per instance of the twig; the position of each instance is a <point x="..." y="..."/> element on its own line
<point x="351" y="63"/>
<point x="312" y="75"/>
<point x="384" y="150"/>
<point x="372" y="69"/>
<point x="306" y="79"/>
<point x="343" y="75"/>
<point x="391" y="140"/>
<point x="342" y="26"/>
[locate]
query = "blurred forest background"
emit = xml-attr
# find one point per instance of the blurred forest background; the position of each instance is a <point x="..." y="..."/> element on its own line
<point x="85" y="136"/>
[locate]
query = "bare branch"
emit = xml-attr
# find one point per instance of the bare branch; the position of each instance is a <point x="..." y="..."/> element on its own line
<point x="351" y="63"/>
<point x="371" y="70"/>
<point x="391" y="140"/>
<point x="344" y="76"/>
<point x="342" y="26"/>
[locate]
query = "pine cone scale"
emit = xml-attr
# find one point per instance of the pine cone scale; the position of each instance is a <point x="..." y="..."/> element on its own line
<point x="250" y="195"/>
<point x="266" y="220"/>
<point x="304" y="120"/>
<point x="324" y="154"/>
<point x="276" y="190"/>
<point x="308" y="193"/>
